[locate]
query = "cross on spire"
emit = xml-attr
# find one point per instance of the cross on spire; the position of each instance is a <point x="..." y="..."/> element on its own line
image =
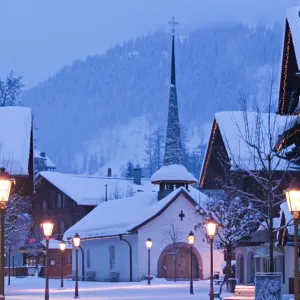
<point x="173" y="23"/>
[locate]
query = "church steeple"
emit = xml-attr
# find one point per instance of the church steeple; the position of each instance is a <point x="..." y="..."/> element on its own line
<point x="173" y="150"/>
<point x="173" y="76"/>
<point x="173" y="174"/>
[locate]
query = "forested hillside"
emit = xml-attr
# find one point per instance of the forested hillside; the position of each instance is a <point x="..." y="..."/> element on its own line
<point x="82" y="112"/>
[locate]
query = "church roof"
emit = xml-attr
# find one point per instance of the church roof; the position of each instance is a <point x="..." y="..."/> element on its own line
<point x="90" y="190"/>
<point x="125" y="216"/>
<point x="15" y="137"/>
<point x="173" y="173"/>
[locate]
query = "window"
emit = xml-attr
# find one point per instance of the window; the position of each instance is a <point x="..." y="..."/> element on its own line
<point x="62" y="226"/>
<point x="63" y="203"/>
<point x="45" y="205"/>
<point x="88" y="258"/>
<point x="111" y="257"/>
<point x="58" y="201"/>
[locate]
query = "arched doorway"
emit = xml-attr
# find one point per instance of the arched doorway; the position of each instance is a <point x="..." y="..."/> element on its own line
<point x="240" y="267"/>
<point x="251" y="267"/>
<point x="174" y="262"/>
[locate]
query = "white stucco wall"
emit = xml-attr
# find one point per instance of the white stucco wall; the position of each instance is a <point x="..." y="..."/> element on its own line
<point x="157" y="231"/>
<point x="287" y="266"/>
<point x="99" y="257"/>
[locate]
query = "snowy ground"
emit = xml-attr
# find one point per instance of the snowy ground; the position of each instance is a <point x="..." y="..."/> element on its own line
<point x="33" y="288"/>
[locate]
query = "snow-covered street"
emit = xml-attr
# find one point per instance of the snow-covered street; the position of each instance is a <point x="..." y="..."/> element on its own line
<point x="33" y="288"/>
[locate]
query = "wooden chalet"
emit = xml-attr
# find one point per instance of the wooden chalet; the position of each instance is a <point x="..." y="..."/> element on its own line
<point x="67" y="198"/>
<point x="289" y="85"/>
<point x="228" y="153"/>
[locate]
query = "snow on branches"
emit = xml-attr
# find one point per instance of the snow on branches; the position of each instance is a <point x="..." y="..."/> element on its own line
<point x="18" y="222"/>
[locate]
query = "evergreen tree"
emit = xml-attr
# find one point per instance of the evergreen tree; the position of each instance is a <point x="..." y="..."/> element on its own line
<point x="158" y="148"/>
<point x="129" y="169"/>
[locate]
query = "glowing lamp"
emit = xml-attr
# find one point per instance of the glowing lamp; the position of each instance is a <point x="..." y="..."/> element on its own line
<point x="47" y="228"/>
<point x="149" y="243"/>
<point x="76" y="240"/>
<point x="293" y="197"/>
<point x="62" y="246"/>
<point x="211" y="228"/>
<point x="191" y="238"/>
<point x="5" y="185"/>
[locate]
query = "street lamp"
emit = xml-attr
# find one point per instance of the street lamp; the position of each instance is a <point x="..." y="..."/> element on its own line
<point x="293" y="201"/>
<point x="211" y="229"/>
<point x="191" y="240"/>
<point x="149" y="245"/>
<point x="5" y="186"/>
<point x="62" y="247"/>
<point x="76" y="242"/>
<point x="47" y="228"/>
<point x="9" y="254"/>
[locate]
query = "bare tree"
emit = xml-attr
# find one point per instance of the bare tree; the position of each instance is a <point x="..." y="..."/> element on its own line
<point x="18" y="222"/>
<point x="173" y="235"/>
<point x="261" y="174"/>
<point x="234" y="224"/>
<point x="10" y="90"/>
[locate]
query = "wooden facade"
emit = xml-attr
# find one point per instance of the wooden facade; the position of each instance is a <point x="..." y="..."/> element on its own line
<point x="215" y="159"/>
<point x="289" y="92"/>
<point x="50" y="203"/>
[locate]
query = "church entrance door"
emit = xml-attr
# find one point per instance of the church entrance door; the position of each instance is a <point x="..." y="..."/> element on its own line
<point x="174" y="263"/>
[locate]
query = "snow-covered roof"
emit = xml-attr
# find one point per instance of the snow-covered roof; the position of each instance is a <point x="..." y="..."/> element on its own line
<point x="263" y="225"/>
<point x="236" y="126"/>
<point x="292" y="16"/>
<point x="48" y="161"/>
<point x="54" y="244"/>
<point x="16" y="124"/>
<point x="120" y="216"/>
<point x="90" y="190"/>
<point x="173" y="173"/>
<point x="284" y="209"/>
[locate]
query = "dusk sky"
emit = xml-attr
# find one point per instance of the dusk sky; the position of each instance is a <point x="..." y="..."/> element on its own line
<point x="39" y="37"/>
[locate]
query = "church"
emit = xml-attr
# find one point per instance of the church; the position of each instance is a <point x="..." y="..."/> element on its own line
<point x="113" y="235"/>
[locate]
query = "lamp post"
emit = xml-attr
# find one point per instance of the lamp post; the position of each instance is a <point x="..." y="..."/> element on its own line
<point x="293" y="200"/>
<point x="211" y="229"/>
<point x="149" y="245"/>
<point x="76" y="242"/>
<point x="62" y="247"/>
<point x="191" y="240"/>
<point x="47" y="228"/>
<point x="5" y="186"/>
<point x="9" y="252"/>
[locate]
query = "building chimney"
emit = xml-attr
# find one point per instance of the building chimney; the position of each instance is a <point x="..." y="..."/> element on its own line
<point x="43" y="154"/>
<point x="137" y="176"/>
<point x="109" y="172"/>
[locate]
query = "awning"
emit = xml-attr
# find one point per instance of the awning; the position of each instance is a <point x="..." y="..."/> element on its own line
<point x="264" y="252"/>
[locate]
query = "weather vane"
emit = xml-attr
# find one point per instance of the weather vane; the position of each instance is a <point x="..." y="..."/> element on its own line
<point x="173" y="23"/>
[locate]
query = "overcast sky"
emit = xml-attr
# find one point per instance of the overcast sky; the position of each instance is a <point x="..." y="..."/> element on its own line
<point x="39" y="37"/>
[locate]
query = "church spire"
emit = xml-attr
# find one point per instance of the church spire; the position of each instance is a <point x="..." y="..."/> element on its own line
<point x="173" y="151"/>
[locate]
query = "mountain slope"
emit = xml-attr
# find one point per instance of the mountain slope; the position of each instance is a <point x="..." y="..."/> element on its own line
<point x="91" y="99"/>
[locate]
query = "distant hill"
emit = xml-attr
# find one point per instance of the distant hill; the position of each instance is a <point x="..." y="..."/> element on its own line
<point x="82" y="111"/>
